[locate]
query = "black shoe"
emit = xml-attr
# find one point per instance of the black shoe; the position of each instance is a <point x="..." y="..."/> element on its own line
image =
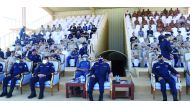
<point x="175" y="99"/>
<point x="9" y="95"/>
<point x="101" y="97"/>
<point x="91" y="98"/>
<point x="31" y="96"/>
<point x="165" y="100"/>
<point x="40" y="97"/>
<point x="3" y="94"/>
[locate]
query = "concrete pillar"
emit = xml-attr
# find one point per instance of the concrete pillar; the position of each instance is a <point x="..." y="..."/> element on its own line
<point x="23" y="16"/>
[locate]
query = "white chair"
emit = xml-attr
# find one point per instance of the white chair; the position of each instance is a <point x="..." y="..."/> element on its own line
<point x="156" y="85"/>
<point x="188" y="77"/>
<point x="133" y="19"/>
<point x="138" y="27"/>
<point x="136" y="62"/>
<point x="62" y="64"/>
<point x="175" y="31"/>
<point x="151" y="39"/>
<point x="141" y="39"/>
<point x="187" y="57"/>
<point x="154" y="28"/>
<point x="72" y="62"/>
<point x="146" y="27"/>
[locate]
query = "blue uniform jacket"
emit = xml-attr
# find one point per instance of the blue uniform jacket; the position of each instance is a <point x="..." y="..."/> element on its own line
<point x="50" y="41"/>
<point x="166" y="49"/>
<point x="149" y="32"/>
<point x="1" y="67"/>
<point x="162" y="70"/>
<point x="18" y="41"/>
<point x="84" y="65"/>
<point x="70" y="36"/>
<point x="160" y="38"/>
<point x="45" y="69"/>
<point x="100" y="70"/>
<point x="83" y="51"/>
<point x="1" y="54"/>
<point x="8" y="53"/>
<point x="35" y="58"/>
<point x="18" y="68"/>
<point x="74" y="53"/>
<point x="85" y="28"/>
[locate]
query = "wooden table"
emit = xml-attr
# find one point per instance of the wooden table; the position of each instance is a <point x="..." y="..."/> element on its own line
<point x="74" y="85"/>
<point x="123" y="94"/>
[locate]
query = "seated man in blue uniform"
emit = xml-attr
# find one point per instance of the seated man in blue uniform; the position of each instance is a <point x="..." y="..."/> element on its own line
<point x="161" y="37"/>
<point x="85" y="28"/>
<point x="150" y="32"/>
<point x="165" y="47"/>
<point x="27" y="53"/>
<point x="83" y="67"/>
<point x="84" y="49"/>
<point x="78" y="35"/>
<point x="17" y="41"/>
<point x="42" y="74"/>
<point x="8" y="53"/>
<point x="161" y="70"/>
<point x="74" y="55"/>
<point x="70" y="36"/>
<point x="99" y="74"/>
<point x="50" y="41"/>
<point x="35" y="58"/>
<point x="16" y="70"/>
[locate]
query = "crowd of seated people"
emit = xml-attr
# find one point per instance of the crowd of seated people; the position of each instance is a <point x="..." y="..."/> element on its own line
<point x="146" y="29"/>
<point x="56" y="40"/>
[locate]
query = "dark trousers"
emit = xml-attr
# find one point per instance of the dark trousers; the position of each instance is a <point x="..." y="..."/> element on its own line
<point x="92" y="82"/>
<point x="6" y="81"/>
<point x="176" y="58"/>
<point x="172" y="85"/>
<point x="41" y="81"/>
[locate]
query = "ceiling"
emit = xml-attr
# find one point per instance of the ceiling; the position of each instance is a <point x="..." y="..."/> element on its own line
<point x="62" y="9"/>
<point x="65" y="9"/>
